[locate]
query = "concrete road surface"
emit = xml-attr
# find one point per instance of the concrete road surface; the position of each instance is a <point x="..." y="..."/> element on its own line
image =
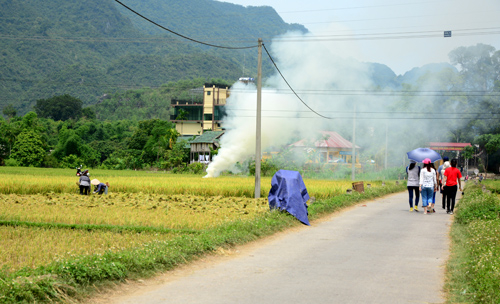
<point x="375" y="252"/>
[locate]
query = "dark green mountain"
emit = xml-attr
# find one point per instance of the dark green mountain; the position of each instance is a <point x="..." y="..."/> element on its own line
<point x="88" y="48"/>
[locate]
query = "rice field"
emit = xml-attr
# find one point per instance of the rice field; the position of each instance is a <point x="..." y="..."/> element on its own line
<point x="51" y="236"/>
<point x="36" y="181"/>
<point x="33" y="246"/>
<point x="43" y="217"/>
<point x="130" y="209"/>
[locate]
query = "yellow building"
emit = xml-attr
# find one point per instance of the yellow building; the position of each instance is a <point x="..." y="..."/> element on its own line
<point x="193" y="117"/>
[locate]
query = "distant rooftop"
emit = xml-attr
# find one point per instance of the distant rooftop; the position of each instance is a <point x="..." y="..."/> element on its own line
<point x="208" y="137"/>
<point x="333" y="140"/>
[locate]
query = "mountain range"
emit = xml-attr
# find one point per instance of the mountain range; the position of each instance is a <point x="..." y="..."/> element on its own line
<point x="91" y="48"/>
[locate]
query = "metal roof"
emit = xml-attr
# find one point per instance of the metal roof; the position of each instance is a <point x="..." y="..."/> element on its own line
<point x="208" y="137"/>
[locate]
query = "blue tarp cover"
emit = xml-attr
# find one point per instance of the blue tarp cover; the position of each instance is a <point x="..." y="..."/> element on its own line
<point x="288" y="192"/>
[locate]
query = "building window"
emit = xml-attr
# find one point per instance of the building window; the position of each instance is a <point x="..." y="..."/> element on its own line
<point x="209" y="92"/>
<point x="207" y="116"/>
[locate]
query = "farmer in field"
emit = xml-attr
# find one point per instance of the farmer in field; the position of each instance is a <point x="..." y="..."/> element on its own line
<point x="84" y="183"/>
<point x="100" y="188"/>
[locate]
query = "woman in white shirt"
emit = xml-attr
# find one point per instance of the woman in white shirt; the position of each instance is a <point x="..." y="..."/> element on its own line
<point x="428" y="184"/>
<point x="413" y="172"/>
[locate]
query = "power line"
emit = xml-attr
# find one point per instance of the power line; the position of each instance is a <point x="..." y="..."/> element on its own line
<point x="185" y="37"/>
<point x="332" y="92"/>
<point x="312" y="110"/>
<point x="379" y="112"/>
<point x="291" y="38"/>
<point x="384" y="94"/>
<point x="283" y="77"/>
<point x="373" y="118"/>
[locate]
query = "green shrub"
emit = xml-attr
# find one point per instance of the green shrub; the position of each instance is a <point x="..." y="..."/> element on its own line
<point x="10" y="162"/>
<point x="70" y="161"/>
<point x="476" y="205"/>
<point x="195" y="168"/>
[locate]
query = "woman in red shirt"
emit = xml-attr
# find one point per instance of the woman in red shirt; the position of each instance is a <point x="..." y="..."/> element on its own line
<point x="452" y="176"/>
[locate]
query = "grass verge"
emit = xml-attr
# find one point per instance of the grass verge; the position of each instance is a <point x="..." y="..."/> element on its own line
<point x="473" y="271"/>
<point x="69" y="279"/>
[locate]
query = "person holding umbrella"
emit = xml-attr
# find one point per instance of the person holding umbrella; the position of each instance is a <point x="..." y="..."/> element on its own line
<point x="413" y="172"/>
<point x="428" y="184"/>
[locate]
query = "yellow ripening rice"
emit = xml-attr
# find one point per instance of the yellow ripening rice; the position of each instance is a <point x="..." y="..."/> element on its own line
<point x="64" y="181"/>
<point x="33" y="247"/>
<point x="130" y="209"/>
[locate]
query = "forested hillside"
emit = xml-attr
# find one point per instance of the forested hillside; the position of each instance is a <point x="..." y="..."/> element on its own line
<point x="89" y="48"/>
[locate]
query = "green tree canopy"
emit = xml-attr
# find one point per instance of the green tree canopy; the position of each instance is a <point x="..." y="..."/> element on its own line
<point x="28" y="149"/>
<point x="9" y="111"/>
<point x="61" y="107"/>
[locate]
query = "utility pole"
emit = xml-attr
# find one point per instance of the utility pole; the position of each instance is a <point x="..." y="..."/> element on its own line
<point x="258" y="151"/>
<point x="386" y="145"/>
<point x="353" y="155"/>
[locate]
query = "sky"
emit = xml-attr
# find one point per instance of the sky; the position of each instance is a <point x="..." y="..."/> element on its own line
<point x="401" y="34"/>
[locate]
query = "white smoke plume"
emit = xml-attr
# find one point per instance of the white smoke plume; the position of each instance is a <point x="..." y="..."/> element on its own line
<point x="333" y="84"/>
<point x="308" y="67"/>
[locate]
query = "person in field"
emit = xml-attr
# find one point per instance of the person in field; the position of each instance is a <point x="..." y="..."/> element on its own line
<point x="84" y="183"/>
<point x="100" y="188"/>
<point x="427" y="184"/>
<point x="452" y="177"/>
<point x="413" y="172"/>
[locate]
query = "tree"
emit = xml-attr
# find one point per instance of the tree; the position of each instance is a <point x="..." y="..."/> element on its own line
<point x="89" y="113"/>
<point x="9" y="111"/>
<point x="28" y="150"/>
<point x="8" y="137"/>
<point x="61" y="107"/>
<point x="490" y="143"/>
<point x="479" y="65"/>
<point x="183" y="115"/>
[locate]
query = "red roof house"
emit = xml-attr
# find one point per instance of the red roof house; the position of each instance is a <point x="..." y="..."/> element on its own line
<point x="332" y="148"/>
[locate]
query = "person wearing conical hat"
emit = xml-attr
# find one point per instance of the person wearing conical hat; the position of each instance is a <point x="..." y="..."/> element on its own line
<point x="100" y="188"/>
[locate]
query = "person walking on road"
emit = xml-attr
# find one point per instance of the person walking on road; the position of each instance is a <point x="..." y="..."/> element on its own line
<point x="428" y="184"/>
<point x="452" y="177"/>
<point x="431" y="206"/>
<point x="442" y="187"/>
<point x="413" y="172"/>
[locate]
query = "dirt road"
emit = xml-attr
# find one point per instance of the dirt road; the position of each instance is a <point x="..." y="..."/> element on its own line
<point x="376" y="252"/>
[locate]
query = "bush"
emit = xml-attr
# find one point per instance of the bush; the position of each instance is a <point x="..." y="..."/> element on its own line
<point x="50" y="161"/>
<point x="70" y="161"/>
<point x="195" y="168"/>
<point x="11" y="162"/>
<point x="476" y="205"/>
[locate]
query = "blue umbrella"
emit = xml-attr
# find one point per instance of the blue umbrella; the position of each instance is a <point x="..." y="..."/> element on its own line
<point x="420" y="154"/>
